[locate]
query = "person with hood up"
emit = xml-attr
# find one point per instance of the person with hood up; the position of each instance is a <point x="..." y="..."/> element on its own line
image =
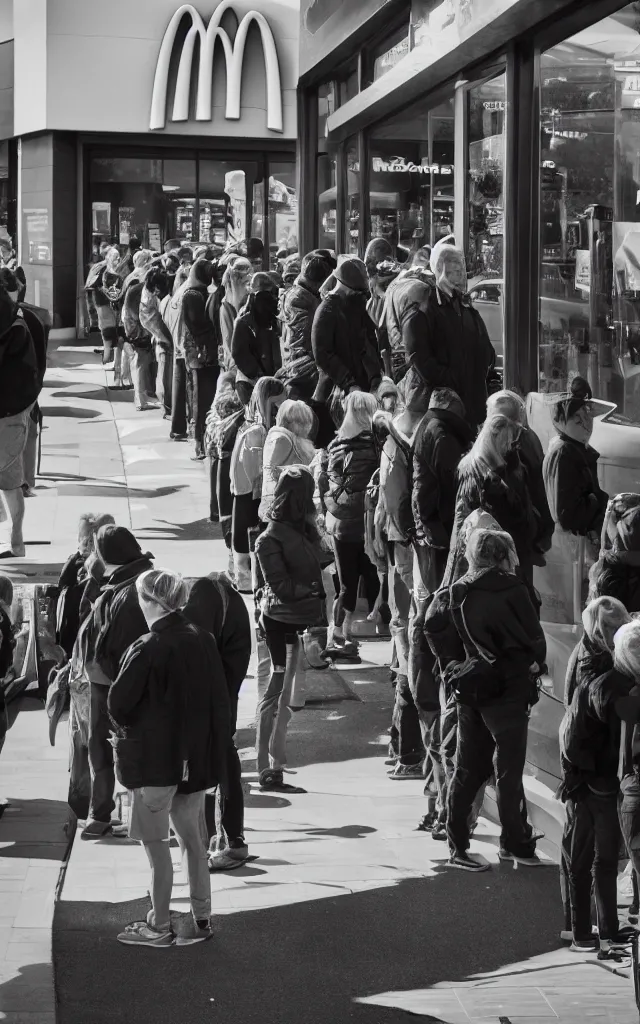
<point x="379" y="251"/>
<point x="403" y="297"/>
<point x="292" y="600"/>
<point x="115" y="622"/>
<point x="397" y="527"/>
<point x="170" y="706"/>
<point x="138" y="337"/>
<point x="255" y="344"/>
<point x="353" y="458"/>
<point x="298" y="310"/>
<point x="246" y="472"/>
<point x="445" y="337"/>
<point x="596" y="750"/>
<point x="570" y="469"/>
<point x="200" y="349"/>
<point x="496" y="623"/>
<point x="617" y="571"/>
<point x="288" y="443"/>
<point x="492" y="477"/>
<point x="108" y="298"/>
<point x="343" y="337"/>
<point x="235" y="291"/>
<point x="155" y="291"/>
<point x="216" y="606"/>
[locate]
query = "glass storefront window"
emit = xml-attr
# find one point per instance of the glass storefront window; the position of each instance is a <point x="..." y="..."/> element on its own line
<point x="5" y="238"/>
<point x="590" y="213"/>
<point x="348" y="83"/>
<point x="388" y="54"/>
<point x="352" y="243"/>
<point x="411" y="177"/>
<point x="486" y="166"/>
<point x="327" y="200"/>
<point x="283" y="210"/>
<point x="229" y="207"/>
<point x="326" y="107"/>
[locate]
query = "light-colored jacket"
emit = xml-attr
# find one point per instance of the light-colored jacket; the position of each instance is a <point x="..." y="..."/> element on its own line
<point x="151" y="318"/>
<point x="282" y="448"/>
<point x="245" y="470"/>
<point x="173" y="316"/>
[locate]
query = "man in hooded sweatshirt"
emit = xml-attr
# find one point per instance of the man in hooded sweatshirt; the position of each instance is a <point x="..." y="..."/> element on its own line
<point x="445" y="337"/>
<point x="298" y="310"/>
<point x="116" y="622"/>
<point x="200" y="347"/>
<point x="255" y="345"/>
<point x="617" y="571"/>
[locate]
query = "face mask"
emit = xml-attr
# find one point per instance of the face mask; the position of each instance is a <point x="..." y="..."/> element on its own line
<point x="265" y="305"/>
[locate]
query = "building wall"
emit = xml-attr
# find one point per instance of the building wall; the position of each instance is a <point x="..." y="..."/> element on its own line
<point x="6" y="89"/>
<point x="36" y="184"/>
<point x="30" y="65"/>
<point x="328" y="24"/>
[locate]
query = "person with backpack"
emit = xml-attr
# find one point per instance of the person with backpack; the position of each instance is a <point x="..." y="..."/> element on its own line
<point x="246" y="472"/>
<point x="155" y="290"/>
<point x="20" y="385"/>
<point x="235" y="291"/>
<point x="138" y="337"/>
<point x="223" y="421"/>
<point x="215" y="605"/>
<point x="200" y="348"/>
<point x="617" y="571"/>
<point x="73" y="580"/>
<point x="255" y="344"/>
<point x="487" y="638"/>
<point x="288" y="443"/>
<point x="116" y="621"/>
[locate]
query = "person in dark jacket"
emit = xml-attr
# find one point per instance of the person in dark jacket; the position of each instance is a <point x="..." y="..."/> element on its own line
<point x="500" y="620"/>
<point x="617" y="571"/>
<point x="20" y="384"/>
<point x="170" y="705"/>
<point x="298" y="310"/>
<point x="73" y="580"/>
<point x="116" y="622"/>
<point x="7" y="646"/>
<point x="215" y="605"/>
<point x="292" y="599"/>
<point x="570" y="469"/>
<point x="445" y="337"/>
<point x="255" y="343"/>
<point x="200" y="347"/>
<point x="591" y="744"/>
<point x="493" y="478"/>
<point x="353" y="458"/>
<point x="593" y="654"/>
<point x="343" y="337"/>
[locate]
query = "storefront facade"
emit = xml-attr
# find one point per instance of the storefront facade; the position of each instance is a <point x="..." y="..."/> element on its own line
<point x="516" y="126"/>
<point x="153" y="121"/>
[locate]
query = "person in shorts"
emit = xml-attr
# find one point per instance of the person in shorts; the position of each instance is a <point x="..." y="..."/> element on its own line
<point x="170" y="706"/>
<point x="19" y="389"/>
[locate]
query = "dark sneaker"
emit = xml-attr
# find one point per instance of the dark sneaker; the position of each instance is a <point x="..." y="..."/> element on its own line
<point x="439" y="832"/>
<point x="427" y="822"/>
<point x="142" y="934"/>
<point x="466" y="862"/>
<point x="585" y="946"/>
<point x="200" y="932"/>
<point x="228" y="859"/>
<point x="527" y="862"/>
<point x="95" y="829"/>
<point x="406" y="771"/>
<point x="272" y="780"/>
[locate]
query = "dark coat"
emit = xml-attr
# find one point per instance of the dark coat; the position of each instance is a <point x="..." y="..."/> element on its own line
<point x="71" y="586"/>
<point x="116" y="622"/>
<point x="576" y="500"/>
<point x="344" y="344"/>
<point x="352" y="461"/>
<point x="298" y="310"/>
<point x="135" y="332"/>
<point x="532" y="459"/>
<point x="39" y="331"/>
<point x="617" y="574"/>
<point x="441" y="441"/>
<point x="170" y="705"/>
<point x="506" y="497"/>
<point x="447" y="341"/>
<point x="501" y="618"/>
<point x="292" y="575"/>
<point x="200" y="341"/>
<point x="586" y="662"/>
<point x="255" y="348"/>
<point x="20" y="377"/>
<point x="215" y="605"/>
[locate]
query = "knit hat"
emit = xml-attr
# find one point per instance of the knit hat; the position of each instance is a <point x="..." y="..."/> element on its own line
<point x="446" y="398"/>
<point x="378" y="249"/>
<point x="352" y="273"/>
<point x="263" y="282"/>
<point x="317" y="265"/>
<point x="116" y="545"/>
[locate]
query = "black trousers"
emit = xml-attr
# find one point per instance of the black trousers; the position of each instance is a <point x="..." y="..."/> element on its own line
<point x="590" y="849"/>
<point x="179" y="397"/>
<point x="491" y="740"/>
<point x="245" y="515"/>
<point x="204" y="391"/>
<point x="103" y="777"/>
<point x="213" y="487"/>
<point x="352" y="562"/>
<point x="406" y="723"/>
<point x="227" y="812"/>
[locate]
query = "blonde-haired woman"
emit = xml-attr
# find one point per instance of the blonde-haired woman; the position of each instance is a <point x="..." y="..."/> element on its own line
<point x="353" y="458"/>
<point x="491" y="477"/>
<point x="288" y="444"/>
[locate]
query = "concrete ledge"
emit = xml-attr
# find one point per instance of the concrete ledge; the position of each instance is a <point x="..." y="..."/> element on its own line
<point x="63" y="334"/>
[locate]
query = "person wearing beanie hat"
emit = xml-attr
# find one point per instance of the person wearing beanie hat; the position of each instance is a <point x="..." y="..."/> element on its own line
<point x="446" y="337"/>
<point x="255" y="344"/>
<point x="115" y="622"/>
<point x="298" y="309"/>
<point x="344" y="344"/>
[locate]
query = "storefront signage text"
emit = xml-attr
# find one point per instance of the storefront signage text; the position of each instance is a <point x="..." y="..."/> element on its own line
<point x="398" y="165"/>
<point x="234" y="59"/>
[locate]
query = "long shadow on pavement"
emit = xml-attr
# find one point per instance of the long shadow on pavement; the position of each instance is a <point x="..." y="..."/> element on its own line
<point x="308" y="962"/>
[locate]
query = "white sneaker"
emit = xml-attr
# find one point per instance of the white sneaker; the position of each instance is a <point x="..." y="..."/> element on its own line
<point x="527" y="862"/>
<point x="228" y="859"/>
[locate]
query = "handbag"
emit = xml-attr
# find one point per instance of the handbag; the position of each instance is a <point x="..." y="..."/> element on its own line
<point x="476" y="680"/>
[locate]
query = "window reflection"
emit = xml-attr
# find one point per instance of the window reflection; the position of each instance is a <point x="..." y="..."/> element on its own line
<point x="283" y="210"/>
<point x="486" y="134"/>
<point x="353" y="198"/>
<point x="590" y="213"/>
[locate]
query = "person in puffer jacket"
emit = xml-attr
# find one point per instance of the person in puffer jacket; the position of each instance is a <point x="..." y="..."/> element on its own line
<point x="617" y="571"/>
<point x="298" y="310"/>
<point x="403" y="296"/>
<point x="255" y="345"/>
<point x="246" y="472"/>
<point x="292" y="599"/>
<point x="353" y="457"/>
<point x="288" y="443"/>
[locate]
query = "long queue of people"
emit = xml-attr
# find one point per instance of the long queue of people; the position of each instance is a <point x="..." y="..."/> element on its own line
<point x="361" y="450"/>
